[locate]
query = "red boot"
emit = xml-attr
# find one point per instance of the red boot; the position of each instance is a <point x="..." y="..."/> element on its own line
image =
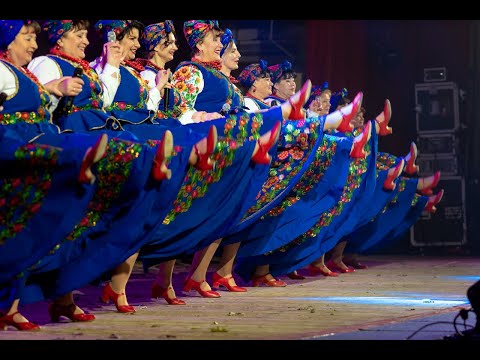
<point x="345" y="125"/>
<point x="262" y="156"/>
<point x="427" y="190"/>
<point x="298" y="100"/>
<point x="432" y="201"/>
<point x="358" y="150"/>
<point x="389" y="183"/>
<point x="93" y="155"/>
<point x="164" y="152"/>
<point x="411" y="168"/>
<point x="383" y="123"/>
<point x="204" y="162"/>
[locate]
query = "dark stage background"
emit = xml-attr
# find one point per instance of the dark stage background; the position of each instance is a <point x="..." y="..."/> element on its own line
<point x="384" y="59"/>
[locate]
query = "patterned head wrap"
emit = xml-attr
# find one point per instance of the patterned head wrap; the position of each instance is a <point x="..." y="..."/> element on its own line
<point x="195" y="30"/>
<point x="248" y="75"/>
<point x="227" y="37"/>
<point x="154" y="33"/>
<point x="279" y="69"/>
<point x="104" y="26"/>
<point x="56" y="28"/>
<point x="9" y="29"/>
<point x="316" y="92"/>
<point x="336" y="97"/>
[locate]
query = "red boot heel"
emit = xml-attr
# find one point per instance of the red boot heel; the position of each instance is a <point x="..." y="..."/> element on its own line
<point x="57" y="310"/>
<point x="93" y="155"/>
<point x="224" y="281"/>
<point x="428" y="189"/>
<point x="108" y="294"/>
<point x="345" y="125"/>
<point x="262" y="156"/>
<point x="257" y="280"/>
<point x="432" y="201"/>
<point x="389" y="183"/>
<point x="204" y="162"/>
<point x="158" y="291"/>
<point x="411" y="168"/>
<point x="384" y="118"/>
<point x="358" y="149"/>
<point x="7" y="320"/>
<point x="298" y="100"/>
<point x="191" y="284"/>
<point x="164" y="152"/>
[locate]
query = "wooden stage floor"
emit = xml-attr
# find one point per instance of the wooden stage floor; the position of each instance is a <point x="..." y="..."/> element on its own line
<point x="394" y="289"/>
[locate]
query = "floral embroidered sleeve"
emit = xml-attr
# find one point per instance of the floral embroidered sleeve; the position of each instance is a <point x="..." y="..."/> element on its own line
<point x="188" y="80"/>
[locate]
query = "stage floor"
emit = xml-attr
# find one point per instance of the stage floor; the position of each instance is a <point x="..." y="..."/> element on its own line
<point x="367" y="304"/>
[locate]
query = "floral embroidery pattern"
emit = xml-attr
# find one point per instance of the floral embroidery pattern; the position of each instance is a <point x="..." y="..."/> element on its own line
<point x="21" y="198"/>
<point x="357" y="168"/>
<point x="113" y="171"/>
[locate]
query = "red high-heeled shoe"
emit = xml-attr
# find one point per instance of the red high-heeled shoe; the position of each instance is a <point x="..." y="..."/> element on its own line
<point x="203" y="159"/>
<point x="358" y="150"/>
<point x="298" y="100"/>
<point x="108" y="294"/>
<point x="295" y="276"/>
<point x="410" y="167"/>
<point x="262" y="156"/>
<point x="191" y="284"/>
<point x="158" y="291"/>
<point x="315" y="270"/>
<point x="345" y="125"/>
<point x="218" y="281"/>
<point x="432" y="201"/>
<point x="387" y="115"/>
<point x="57" y="310"/>
<point x="160" y="171"/>
<point x="332" y="266"/>
<point x="389" y="183"/>
<point x="257" y="280"/>
<point x="22" y="326"/>
<point x="93" y="155"/>
<point x="428" y="190"/>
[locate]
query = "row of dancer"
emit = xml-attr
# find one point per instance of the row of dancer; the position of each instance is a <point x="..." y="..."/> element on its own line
<point x="220" y="180"/>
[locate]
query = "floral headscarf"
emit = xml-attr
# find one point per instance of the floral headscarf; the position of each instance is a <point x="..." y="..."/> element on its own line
<point x="195" y="30"/>
<point x="154" y="33"/>
<point x="248" y="75"/>
<point x="56" y="28"/>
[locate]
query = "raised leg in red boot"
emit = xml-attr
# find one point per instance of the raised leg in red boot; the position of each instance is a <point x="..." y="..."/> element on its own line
<point x="347" y="113"/>
<point x="426" y="184"/>
<point x="162" y="286"/>
<point x="297" y="102"/>
<point x="382" y="120"/>
<point x="410" y="167"/>
<point x="160" y="171"/>
<point x="358" y="147"/>
<point x="65" y="306"/>
<point x="200" y="157"/>
<point x="392" y="176"/>
<point x="433" y="200"/>
<point x="265" y="143"/>
<point x="195" y="281"/>
<point x="15" y="319"/>
<point x="223" y="276"/>
<point x="115" y="289"/>
<point x="92" y="156"/>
